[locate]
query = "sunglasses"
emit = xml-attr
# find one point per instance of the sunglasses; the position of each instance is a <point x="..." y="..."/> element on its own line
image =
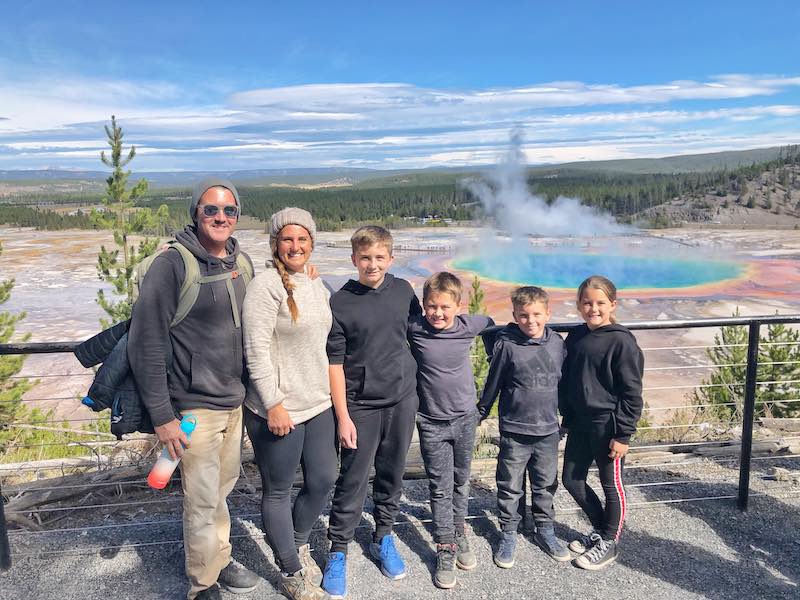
<point x="211" y="210"/>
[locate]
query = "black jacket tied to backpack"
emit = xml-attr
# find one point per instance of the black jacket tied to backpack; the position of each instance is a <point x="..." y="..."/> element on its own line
<point x="114" y="386"/>
<point x="193" y="280"/>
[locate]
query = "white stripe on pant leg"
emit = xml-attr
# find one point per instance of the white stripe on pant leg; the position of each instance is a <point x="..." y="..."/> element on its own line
<point x="621" y="493"/>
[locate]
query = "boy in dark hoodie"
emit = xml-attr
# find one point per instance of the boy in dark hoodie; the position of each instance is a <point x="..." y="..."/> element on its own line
<point x="525" y="370"/>
<point x="373" y="390"/>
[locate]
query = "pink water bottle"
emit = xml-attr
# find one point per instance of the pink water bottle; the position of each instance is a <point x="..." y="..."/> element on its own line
<point x="165" y="465"/>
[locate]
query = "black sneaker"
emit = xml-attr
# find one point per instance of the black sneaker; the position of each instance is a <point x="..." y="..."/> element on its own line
<point x="465" y="557"/>
<point x="583" y="542"/>
<point x="211" y="593"/>
<point x="599" y="556"/>
<point x="445" y="576"/>
<point x="236" y="578"/>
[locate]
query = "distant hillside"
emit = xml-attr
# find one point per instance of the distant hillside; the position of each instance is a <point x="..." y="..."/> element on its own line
<point x="692" y="163"/>
<point x="750" y="197"/>
<point x="761" y="194"/>
<point x="54" y="180"/>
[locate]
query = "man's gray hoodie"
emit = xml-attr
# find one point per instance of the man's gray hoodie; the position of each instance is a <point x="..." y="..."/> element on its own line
<point x="207" y="365"/>
<point x="525" y="372"/>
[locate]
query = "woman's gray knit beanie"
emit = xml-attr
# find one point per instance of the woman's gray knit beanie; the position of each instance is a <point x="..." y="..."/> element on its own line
<point x="292" y="216"/>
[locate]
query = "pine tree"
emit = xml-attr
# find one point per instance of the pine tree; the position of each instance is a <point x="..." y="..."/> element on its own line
<point x="124" y="218"/>
<point x="777" y="375"/>
<point x="11" y="390"/>
<point x="480" y="364"/>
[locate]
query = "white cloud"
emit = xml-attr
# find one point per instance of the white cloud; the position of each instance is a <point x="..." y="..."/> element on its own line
<point x="394" y="124"/>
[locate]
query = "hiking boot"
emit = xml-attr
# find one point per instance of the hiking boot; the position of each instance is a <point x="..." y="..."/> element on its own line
<point x="236" y="578"/>
<point x="465" y="557"/>
<point x="583" y="542"/>
<point x="599" y="556"/>
<point x="392" y="564"/>
<point x="309" y="566"/>
<point x="445" y="576"/>
<point x="211" y="593"/>
<point x="334" y="580"/>
<point x="545" y="538"/>
<point x="298" y="586"/>
<point x="504" y="555"/>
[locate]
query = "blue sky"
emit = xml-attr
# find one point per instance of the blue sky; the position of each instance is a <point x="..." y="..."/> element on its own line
<point x="393" y="85"/>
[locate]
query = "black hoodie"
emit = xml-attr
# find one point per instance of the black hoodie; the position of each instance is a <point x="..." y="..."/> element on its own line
<point x="207" y="362"/>
<point x="368" y="337"/>
<point x="602" y="375"/>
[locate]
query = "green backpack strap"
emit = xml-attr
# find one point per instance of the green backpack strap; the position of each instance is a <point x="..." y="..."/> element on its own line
<point x="190" y="289"/>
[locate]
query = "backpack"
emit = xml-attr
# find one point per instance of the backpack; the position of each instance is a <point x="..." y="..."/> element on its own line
<point x="114" y="386"/>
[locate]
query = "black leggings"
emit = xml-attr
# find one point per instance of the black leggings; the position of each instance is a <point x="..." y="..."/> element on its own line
<point x="583" y="448"/>
<point x="312" y="445"/>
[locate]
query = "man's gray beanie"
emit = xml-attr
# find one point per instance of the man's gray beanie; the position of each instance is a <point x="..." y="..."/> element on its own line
<point x="292" y="216"/>
<point x="206" y="184"/>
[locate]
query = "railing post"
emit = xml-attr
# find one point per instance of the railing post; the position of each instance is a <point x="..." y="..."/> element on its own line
<point x="748" y="415"/>
<point x="5" y="548"/>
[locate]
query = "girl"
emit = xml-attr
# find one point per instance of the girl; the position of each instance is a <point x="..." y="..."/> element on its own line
<point x="601" y="402"/>
<point x="288" y="411"/>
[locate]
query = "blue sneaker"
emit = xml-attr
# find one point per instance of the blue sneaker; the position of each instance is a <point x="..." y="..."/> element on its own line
<point x="334" y="579"/>
<point x="392" y="564"/>
<point x="504" y="555"/>
<point x="545" y="538"/>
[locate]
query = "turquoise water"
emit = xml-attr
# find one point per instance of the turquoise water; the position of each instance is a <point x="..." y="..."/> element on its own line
<point x="567" y="270"/>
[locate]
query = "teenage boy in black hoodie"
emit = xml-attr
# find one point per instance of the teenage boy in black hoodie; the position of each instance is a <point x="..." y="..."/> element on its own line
<point x="525" y="370"/>
<point x="373" y="389"/>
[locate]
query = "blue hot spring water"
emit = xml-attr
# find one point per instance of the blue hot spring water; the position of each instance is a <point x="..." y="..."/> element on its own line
<point x="552" y="269"/>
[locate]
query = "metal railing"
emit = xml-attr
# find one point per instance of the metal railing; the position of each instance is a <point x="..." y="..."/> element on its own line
<point x="745" y="451"/>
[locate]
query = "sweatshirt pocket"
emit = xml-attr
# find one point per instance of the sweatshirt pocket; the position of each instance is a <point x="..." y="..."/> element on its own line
<point x="210" y="381"/>
<point x="354" y="380"/>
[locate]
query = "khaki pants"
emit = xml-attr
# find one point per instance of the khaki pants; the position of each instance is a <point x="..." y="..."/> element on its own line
<point x="209" y="470"/>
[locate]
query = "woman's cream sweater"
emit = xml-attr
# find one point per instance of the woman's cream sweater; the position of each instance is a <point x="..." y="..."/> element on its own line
<point x="287" y="360"/>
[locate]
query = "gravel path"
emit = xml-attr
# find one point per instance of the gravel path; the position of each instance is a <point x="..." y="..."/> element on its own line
<point x="671" y="548"/>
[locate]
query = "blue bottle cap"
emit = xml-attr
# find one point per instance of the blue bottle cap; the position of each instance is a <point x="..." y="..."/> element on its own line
<point x="188" y="423"/>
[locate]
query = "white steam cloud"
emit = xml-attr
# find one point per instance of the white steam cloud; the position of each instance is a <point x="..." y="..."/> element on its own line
<point x="506" y="197"/>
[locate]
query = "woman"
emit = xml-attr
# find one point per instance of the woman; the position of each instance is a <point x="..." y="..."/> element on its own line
<point x="288" y="411"/>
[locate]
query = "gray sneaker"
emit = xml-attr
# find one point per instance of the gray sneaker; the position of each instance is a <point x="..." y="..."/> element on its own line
<point x="504" y="555"/>
<point x="298" y="586"/>
<point x="583" y="542"/>
<point x="445" y="576"/>
<point x="599" y="556"/>
<point x="237" y="578"/>
<point x="545" y="538"/>
<point x="311" y="569"/>
<point x="465" y="557"/>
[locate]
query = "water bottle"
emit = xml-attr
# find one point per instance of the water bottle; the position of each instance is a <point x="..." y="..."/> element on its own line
<point x="165" y="465"/>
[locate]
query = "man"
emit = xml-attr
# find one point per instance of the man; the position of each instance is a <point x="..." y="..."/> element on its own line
<point x="197" y="367"/>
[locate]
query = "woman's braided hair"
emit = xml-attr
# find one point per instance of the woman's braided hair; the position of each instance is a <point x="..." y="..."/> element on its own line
<point x="287" y="282"/>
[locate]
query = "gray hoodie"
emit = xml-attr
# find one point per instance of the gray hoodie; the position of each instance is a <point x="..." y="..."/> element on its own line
<point x="525" y="371"/>
<point x="207" y="365"/>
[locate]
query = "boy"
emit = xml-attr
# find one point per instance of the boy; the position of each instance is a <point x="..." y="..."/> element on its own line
<point x="440" y="342"/>
<point x="373" y="389"/>
<point x="525" y="369"/>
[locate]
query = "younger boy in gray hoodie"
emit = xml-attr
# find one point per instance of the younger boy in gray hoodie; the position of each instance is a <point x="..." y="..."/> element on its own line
<point x="441" y="340"/>
<point x="525" y="370"/>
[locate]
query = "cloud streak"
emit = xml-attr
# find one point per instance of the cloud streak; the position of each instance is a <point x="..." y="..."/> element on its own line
<point x="391" y="125"/>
